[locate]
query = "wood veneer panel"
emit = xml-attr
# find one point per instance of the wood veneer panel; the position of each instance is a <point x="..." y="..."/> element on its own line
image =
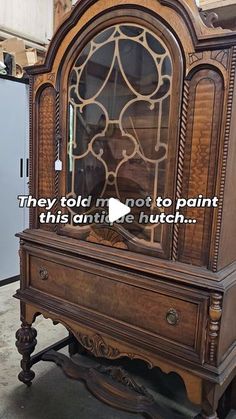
<point x="227" y="248"/>
<point x="149" y="309"/>
<point x="46" y="145"/>
<point x="202" y="138"/>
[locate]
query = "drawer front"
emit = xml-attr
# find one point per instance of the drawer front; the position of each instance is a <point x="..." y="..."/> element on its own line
<point x="171" y="318"/>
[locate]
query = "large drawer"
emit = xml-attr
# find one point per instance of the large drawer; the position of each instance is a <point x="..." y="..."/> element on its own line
<point x="171" y="314"/>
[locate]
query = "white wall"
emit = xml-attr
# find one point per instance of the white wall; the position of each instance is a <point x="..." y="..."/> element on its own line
<point x="29" y="18"/>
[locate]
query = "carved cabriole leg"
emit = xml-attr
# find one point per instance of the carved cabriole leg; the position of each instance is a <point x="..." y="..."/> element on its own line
<point x="25" y="343"/>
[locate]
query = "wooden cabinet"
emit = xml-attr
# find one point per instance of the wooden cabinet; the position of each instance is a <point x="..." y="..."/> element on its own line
<point x="136" y="100"/>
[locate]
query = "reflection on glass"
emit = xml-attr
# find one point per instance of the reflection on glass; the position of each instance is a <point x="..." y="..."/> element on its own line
<point x="119" y="102"/>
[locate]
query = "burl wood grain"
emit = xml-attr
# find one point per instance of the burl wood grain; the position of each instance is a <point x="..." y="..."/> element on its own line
<point x="46" y="139"/>
<point x="202" y="141"/>
<point x="149" y="309"/>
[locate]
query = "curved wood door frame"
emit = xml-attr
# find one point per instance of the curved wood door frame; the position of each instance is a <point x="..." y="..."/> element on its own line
<point x="146" y="19"/>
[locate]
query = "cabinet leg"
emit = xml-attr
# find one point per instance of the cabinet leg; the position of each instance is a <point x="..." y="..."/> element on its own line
<point x="25" y="343"/>
<point x="210" y="399"/>
<point x="206" y="416"/>
<point x="75" y="347"/>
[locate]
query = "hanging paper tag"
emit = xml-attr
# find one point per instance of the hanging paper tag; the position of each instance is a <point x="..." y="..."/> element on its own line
<point x="58" y="165"/>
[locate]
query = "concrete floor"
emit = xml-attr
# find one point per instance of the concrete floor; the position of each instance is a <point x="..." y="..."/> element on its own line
<point x="52" y="395"/>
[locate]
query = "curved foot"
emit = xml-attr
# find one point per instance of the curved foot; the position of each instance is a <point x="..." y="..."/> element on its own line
<point x="26" y="377"/>
<point x="205" y="416"/>
<point x="25" y="343"/>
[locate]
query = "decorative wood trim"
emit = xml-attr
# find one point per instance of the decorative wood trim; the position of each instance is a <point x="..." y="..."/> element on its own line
<point x="202" y="36"/>
<point x="214" y="58"/>
<point x="162" y="249"/>
<point x="51" y="77"/>
<point x="215" y="312"/>
<point x="111" y="385"/>
<point x="25" y="343"/>
<point x="31" y="175"/>
<point x="218" y="35"/>
<point x="57" y="143"/>
<point x="180" y="168"/>
<point x="222" y="56"/>
<point x="224" y="159"/>
<point x="98" y="346"/>
<point x="94" y="343"/>
<point x="193" y="386"/>
<point x="158" y="268"/>
<point x="209" y="18"/>
<point x="121" y="376"/>
<point x="21" y="256"/>
<point x="107" y="237"/>
<point x="195" y="57"/>
<point x="38" y="81"/>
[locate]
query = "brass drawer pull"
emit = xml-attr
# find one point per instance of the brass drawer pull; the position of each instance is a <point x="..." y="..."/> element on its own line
<point x="43" y="273"/>
<point x="172" y="317"/>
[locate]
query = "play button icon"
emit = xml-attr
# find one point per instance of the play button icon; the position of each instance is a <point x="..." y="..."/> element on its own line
<point x="116" y="210"/>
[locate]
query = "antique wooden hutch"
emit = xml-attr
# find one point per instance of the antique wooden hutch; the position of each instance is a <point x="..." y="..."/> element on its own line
<point x="136" y="98"/>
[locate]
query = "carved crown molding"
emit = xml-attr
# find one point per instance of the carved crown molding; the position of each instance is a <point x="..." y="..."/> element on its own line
<point x="209" y="18"/>
<point x="215" y="313"/>
<point x="201" y="38"/>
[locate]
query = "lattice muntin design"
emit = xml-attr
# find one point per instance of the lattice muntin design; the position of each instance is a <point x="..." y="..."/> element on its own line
<point x="119" y="147"/>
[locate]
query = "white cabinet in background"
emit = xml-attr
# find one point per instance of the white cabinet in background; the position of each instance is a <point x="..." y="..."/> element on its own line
<point x="14" y="143"/>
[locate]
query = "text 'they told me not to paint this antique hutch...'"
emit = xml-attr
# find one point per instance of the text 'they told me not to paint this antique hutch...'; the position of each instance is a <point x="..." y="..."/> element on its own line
<point x="136" y="98"/>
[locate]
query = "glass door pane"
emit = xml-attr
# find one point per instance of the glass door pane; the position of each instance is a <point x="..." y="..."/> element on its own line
<point x="119" y="115"/>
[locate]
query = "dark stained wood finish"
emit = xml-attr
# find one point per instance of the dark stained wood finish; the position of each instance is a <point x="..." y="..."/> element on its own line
<point x="25" y="343"/>
<point x="80" y="283"/>
<point x="113" y="386"/>
<point x="175" y="311"/>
